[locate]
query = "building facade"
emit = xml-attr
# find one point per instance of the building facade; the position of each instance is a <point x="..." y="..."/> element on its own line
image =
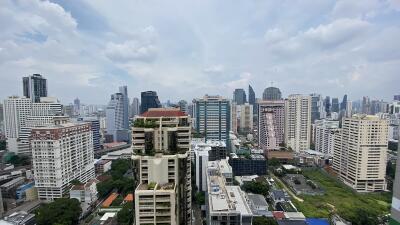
<point x="117" y="116"/>
<point x="135" y="107"/>
<point x="359" y="155"/>
<point x="324" y="135"/>
<point x="239" y="96"/>
<point x="254" y="164"/>
<point x="271" y="124"/>
<point x="34" y="87"/>
<point x="317" y="107"/>
<point x="60" y="154"/>
<point x="162" y="165"/>
<point x="212" y="117"/>
<point x="252" y="99"/>
<point x="149" y="99"/>
<point x="272" y="93"/>
<point x="395" y="216"/>
<point x="298" y="122"/>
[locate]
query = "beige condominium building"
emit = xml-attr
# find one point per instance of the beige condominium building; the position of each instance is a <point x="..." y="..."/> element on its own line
<point x="360" y="152"/>
<point x="298" y="122"/>
<point x="61" y="153"/>
<point x="161" y="145"/>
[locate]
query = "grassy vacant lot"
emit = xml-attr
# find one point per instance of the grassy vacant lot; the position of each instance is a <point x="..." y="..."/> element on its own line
<point x="341" y="199"/>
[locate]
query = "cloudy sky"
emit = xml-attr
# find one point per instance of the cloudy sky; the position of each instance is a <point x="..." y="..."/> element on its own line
<point x="185" y="49"/>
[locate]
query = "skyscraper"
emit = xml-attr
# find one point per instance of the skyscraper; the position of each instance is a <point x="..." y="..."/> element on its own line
<point x="71" y="148"/>
<point x="125" y="116"/>
<point x="272" y="93"/>
<point x="366" y="105"/>
<point x="252" y="99"/>
<point x="246" y="118"/>
<point x="117" y="116"/>
<point x="95" y="127"/>
<point x="298" y="122"/>
<point x="149" y="99"/>
<point x="212" y="116"/>
<point x="343" y="104"/>
<point x="395" y="216"/>
<point x="335" y="105"/>
<point x="271" y="124"/>
<point x="162" y="166"/>
<point x="359" y="155"/>
<point x="135" y="107"/>
<point x="183" y="106"/>
<point x="317" y="108"/>
<point x="34" y="87"/>
<point x="327" y="105"/>
<point x="239" y="96"/>
<point x="77" y="106"/>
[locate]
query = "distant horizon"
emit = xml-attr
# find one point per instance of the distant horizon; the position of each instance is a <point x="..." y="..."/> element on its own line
<point x="185" y="49"/>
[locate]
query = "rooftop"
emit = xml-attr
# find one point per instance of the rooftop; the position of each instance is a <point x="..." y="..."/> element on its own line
<point x="20" y="217"/>
<point x="163" y="112"/>
<point x="109" y="200"/>
<point x="129" y="198"/>
<point x="258" y="200"/>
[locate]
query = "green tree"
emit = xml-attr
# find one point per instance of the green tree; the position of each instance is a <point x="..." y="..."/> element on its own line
<point x="274" y="162"/>
<point x="256" y="187"/>
<point x="200" y="198"/>
<point x="63" y="211"/>
<point x="119" y="168"/>
<point x="105" y="187"/>
<point x="261" y="220"/>
<point x="3" y="144"/>
<point x="125" y="215"/>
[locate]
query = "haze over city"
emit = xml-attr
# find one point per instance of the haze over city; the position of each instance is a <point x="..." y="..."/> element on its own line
<point x="184" y="49"/>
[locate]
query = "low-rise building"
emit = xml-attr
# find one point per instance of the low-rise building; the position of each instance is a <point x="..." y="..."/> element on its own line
<point x="8" y="189"/>
<point x="277" y="196"/>
<point x="85" y="193"/>
<point x="19" y="218"/>
<point x="225" y="204"/>
<point x="102" y="166"/>
<point x="253" y="164"/>
<point x="27" y="192"/>
<point x="259" y="205"/>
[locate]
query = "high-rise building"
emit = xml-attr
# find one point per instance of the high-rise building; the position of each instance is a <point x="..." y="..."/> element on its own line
<point x="324" y="135"/>
<point x="395" y="216"/>
<point x="298" y="122"/>
<point x="271" y="124"/>
<point x="149" y="99"/>
<point x="125" y="115"/>
<point x="335" y="105"/>
<point x="246" y="118"/>
<point x="327" y="105"/>
<point x="135" y="107"/>
<point x="95" y="127"/>
<point x="343" y="104"/>
<point x="272" y="93"/>
<point x="183" y="106"/>
<point x="61" y="153"/>
<point x="252" y="99"/>
<point x="34" y="87"/>
<point x="1" y="117"/>
<point x="77" y="106"/>
<point x="162" y="166"/>
<point x="117" y="116"/>
<point x="235" y="114"/>
<point x="317" y="108"/>
<point x="239" y="96"/>
<point x="366" y="105"/>
<point x="212" y="116"/>
<point x="359" y="155"/>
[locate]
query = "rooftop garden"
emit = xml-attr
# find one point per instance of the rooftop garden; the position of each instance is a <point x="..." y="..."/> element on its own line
<point x="145" y="123"/>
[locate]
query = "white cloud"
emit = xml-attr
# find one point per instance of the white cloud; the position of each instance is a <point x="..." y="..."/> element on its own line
<point x="214" y="69"/>
<point x="131" y="50"/>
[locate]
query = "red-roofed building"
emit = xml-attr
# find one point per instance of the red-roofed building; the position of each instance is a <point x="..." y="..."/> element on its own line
<point x="278" y="215"/>
<point x="128" y="198"/>
<point x="109" y="200"/>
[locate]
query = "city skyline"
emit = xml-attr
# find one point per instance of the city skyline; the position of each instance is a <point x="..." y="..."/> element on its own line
<point x="336" y="48"/>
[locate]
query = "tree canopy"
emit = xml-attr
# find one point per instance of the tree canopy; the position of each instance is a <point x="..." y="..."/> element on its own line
<point x="256" y="187"/>
<point x="260" y="220"/>
<point x="63" y="211"/>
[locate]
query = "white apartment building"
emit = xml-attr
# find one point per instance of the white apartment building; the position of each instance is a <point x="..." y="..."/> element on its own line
<point x="226" y="204"/>
<point x="162" y="164"/>
<point x="22" y="114"/>
<point x="201" y="163"/>
<point x="324" y="135"/>
<point x="298" y="122"/>
<point x="60" y="154"/>
<point x="360" y="153"/>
